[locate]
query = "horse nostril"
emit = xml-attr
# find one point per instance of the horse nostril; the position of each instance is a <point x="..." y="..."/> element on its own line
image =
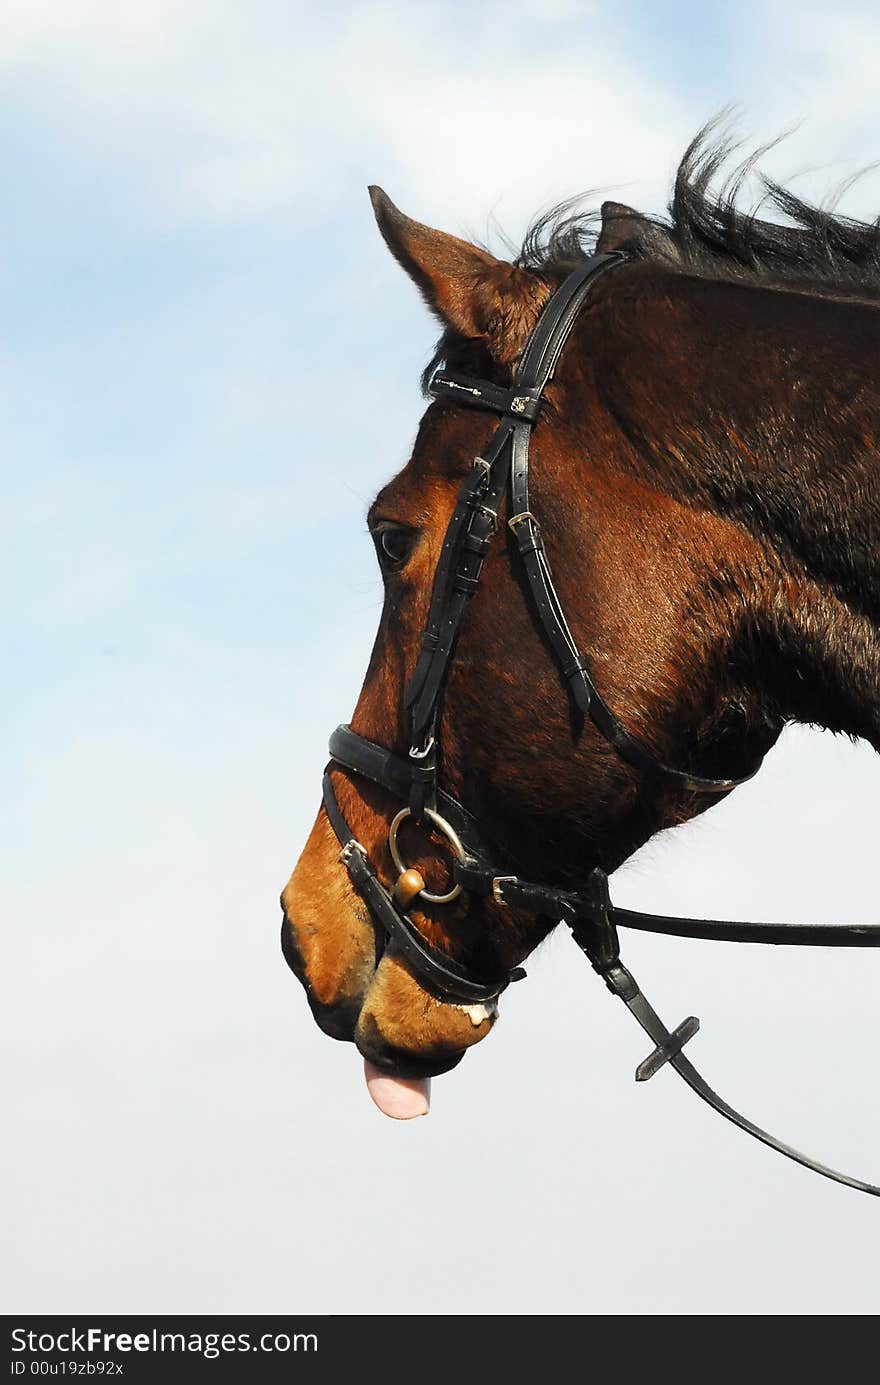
<point x="339" y="1020"/>
<point x="292" y="955"/>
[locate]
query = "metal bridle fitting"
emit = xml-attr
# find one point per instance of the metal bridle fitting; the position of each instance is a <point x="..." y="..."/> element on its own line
<point x="448" y="832"/>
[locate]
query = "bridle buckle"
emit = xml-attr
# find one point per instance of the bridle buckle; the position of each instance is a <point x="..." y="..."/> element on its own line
<point x="348" y="850"/>
<point x="421" y="752"/>
<point x="497" y="894"/>
<point x="486" y="467"/>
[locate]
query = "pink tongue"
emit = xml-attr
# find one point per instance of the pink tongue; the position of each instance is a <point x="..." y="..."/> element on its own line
<point x="398" y="1097"/>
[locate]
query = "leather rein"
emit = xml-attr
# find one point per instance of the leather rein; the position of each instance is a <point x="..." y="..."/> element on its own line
<point x="478" y="866"/>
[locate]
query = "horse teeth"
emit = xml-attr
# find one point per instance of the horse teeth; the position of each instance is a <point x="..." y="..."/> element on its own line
<point x="479" y="1013"/>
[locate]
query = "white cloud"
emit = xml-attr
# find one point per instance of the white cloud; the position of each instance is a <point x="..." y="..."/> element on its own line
<point x="274" y="107"/>
<point x="277" y="104"/>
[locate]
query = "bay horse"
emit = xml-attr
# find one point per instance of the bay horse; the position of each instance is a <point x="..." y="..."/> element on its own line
<point x="706" y="472"/>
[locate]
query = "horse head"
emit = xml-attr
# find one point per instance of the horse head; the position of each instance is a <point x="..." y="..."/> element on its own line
<point x="682" y="472"/>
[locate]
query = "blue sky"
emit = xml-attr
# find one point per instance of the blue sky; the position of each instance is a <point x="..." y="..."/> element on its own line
<point x="209" y="364"/>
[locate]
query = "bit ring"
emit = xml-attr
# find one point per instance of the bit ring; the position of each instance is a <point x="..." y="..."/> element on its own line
<point x="442" y="826"/>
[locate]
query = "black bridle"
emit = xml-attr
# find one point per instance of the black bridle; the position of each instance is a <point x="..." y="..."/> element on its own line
<point x="479" y="867"/>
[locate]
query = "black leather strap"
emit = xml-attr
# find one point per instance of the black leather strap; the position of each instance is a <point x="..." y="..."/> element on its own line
<point x="482" y="394"/>
<point x="475" y="522"/>
<point x="465" y="547"/>
<point x="491" y="872"/>
<point x="471" y="493"/>
<point x="596" y="934"/>
<point x="567" y="905"/>
<point x="729" y="931"/>
<point x="554" y="326"/>
<point x="392" y="772"/>
<point x="589" y="914"/>
<point x="455" y="582"/>
<point x="573" y="665"/>
<point x="622" y="984"/>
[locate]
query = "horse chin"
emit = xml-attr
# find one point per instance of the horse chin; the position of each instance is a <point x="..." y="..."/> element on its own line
<point x="406" y="1032"/>
<point x="400" y="1063"/>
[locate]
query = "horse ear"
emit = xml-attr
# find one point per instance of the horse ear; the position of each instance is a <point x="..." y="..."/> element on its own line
<point x="623" y="227"/>
<point x="466" y="287"/>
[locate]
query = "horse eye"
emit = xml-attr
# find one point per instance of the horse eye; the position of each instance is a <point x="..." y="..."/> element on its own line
<point x="394" y="545"/>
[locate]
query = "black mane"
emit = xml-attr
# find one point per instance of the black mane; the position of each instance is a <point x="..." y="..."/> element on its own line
<point x="707" y="233"/>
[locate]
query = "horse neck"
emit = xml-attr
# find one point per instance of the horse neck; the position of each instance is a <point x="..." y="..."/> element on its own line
<point x="762" y="407"/>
